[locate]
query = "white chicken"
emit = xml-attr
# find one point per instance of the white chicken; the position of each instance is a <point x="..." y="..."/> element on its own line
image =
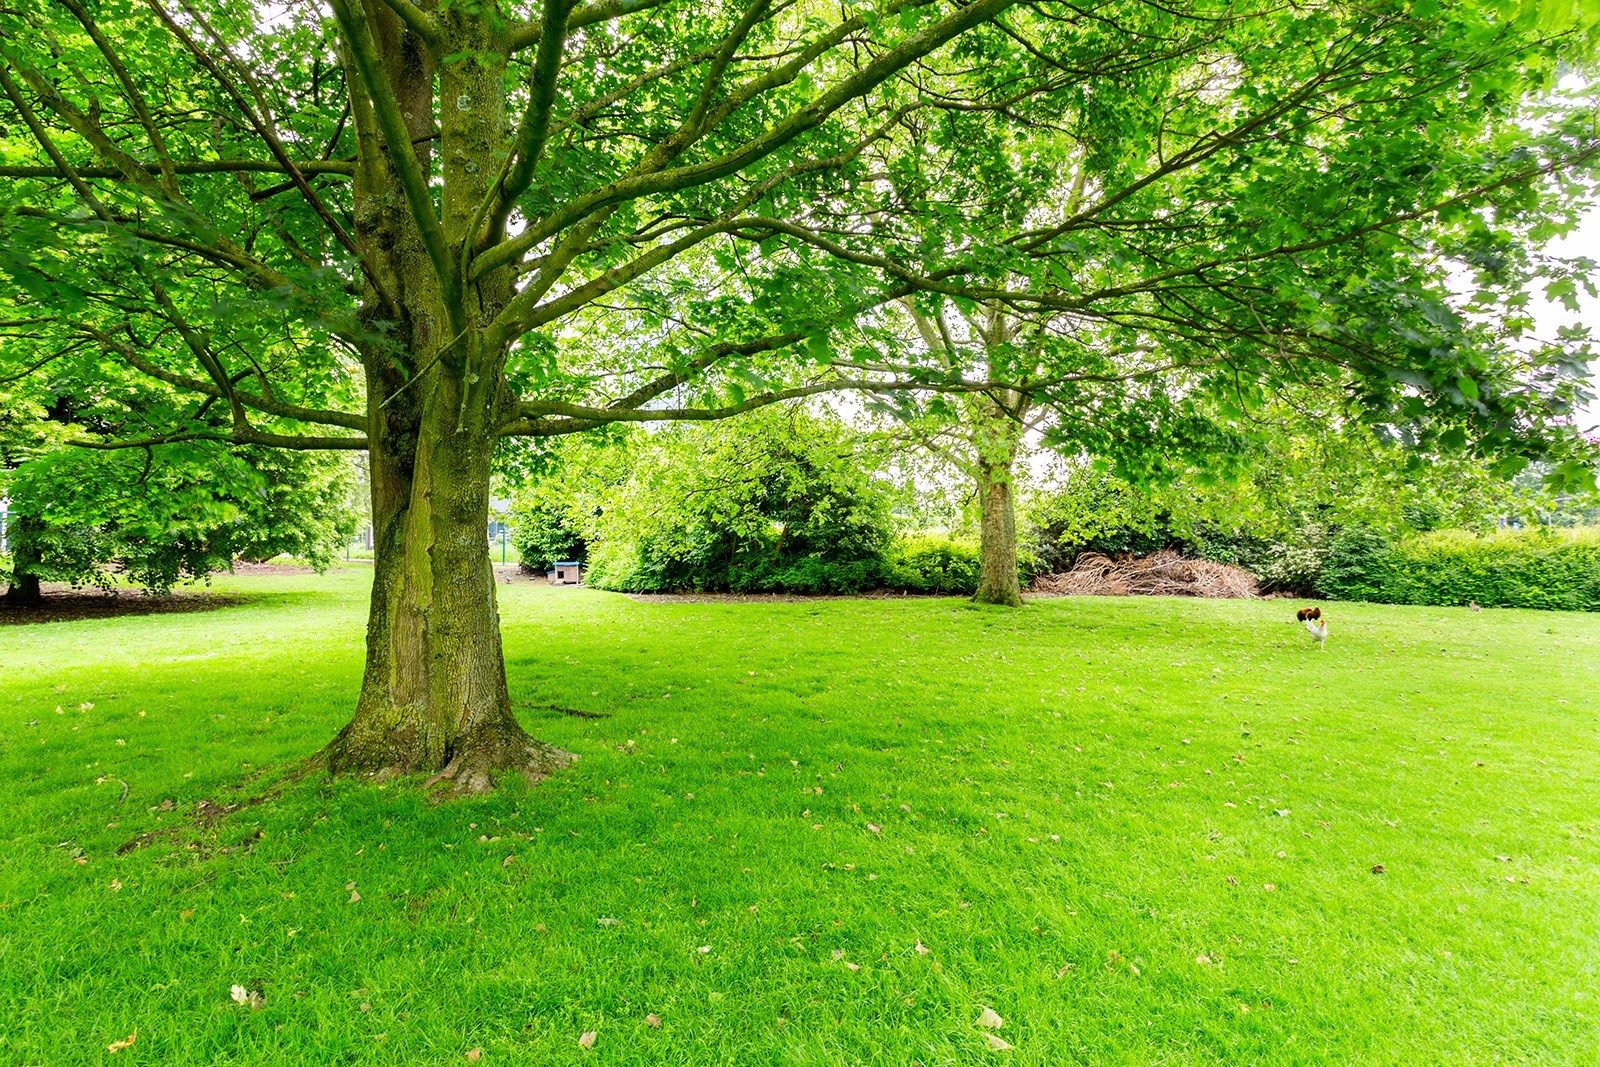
<point x="1315" y="624"/>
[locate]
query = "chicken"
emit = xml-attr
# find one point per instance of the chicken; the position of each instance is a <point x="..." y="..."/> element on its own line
<point x="1315" y="624"/>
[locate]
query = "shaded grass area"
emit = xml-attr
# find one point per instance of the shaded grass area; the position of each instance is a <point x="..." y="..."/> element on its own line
<point x="1140" y="830"/>
<point x="63" y="604"/>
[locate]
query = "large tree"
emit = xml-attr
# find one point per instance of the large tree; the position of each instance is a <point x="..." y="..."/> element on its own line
<point x="450" y="223"/>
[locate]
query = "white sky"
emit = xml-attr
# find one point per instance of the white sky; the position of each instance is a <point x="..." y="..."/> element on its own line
<point x="1584" y="241"/>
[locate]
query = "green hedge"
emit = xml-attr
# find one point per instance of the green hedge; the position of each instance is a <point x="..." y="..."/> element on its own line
<point x="931" y="564"/>
<point x="923" y="563"/>
<point x="1538" y="568"/>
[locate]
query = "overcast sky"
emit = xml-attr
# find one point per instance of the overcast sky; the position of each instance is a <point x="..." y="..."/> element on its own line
<point x="1584" y="241"/>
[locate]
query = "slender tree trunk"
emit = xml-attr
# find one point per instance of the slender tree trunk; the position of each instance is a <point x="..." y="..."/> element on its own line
<point x="996" y="422"/>
<point x="997" y="551"/>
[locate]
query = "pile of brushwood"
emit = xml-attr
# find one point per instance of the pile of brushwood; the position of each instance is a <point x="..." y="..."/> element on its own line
<point x="1161" y="573"/>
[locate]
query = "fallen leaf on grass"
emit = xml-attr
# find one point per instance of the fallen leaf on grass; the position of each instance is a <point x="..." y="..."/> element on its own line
<point x="922" y="950"/>
<point x="1378" y="868"/>
<point x="653" y="1021"/>
<point x="990" y="1019"/>
<point x="252" y="998"/>
<point x="998" y="1043"/>
<point x="474" y="1055"/>
<point x="127" y="1042"/>
<point x="607" y="920"/>
<point x="586" y="1040"/>
<point x="874" y="828"/>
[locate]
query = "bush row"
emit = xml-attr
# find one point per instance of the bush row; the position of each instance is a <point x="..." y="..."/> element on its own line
<point x="1538" y="568"/>
<point x="1541" y="567"/>
<point x="920" y="564"/>
<point x="782" y="502"/>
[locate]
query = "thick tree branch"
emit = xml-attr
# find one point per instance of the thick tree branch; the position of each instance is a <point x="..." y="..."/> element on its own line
<point x="525" y="34"/>
<point x="266" y="405"/>
<point x="418" y="21"/>
<point x="397" y="146"/>
<point x="529" y="143"/>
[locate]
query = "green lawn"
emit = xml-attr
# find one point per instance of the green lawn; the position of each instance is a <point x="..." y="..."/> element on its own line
<point x="1142" y="831"/>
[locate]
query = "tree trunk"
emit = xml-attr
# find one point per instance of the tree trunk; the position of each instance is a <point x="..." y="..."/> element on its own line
<point x="997" y="551"/>
<point x="24" y="591"/>
<point x="433" y="696"/>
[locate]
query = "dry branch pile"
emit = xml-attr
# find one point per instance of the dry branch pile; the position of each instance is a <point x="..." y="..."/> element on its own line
<point x="1163" y="573"/>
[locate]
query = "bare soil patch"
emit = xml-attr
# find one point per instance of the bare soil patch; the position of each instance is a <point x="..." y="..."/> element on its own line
<point x="271" y="568"/>
<point x="516" y="574"/>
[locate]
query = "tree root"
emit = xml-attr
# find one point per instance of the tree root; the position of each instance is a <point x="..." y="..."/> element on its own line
<point x="473" y="764"/>
<point x="483" y="757"/>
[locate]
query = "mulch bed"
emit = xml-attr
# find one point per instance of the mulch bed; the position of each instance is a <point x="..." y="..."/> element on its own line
<point x="62" y="603"/>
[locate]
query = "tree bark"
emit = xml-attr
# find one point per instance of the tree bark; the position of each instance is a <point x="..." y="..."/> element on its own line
<point x="997" y="549"/>
<point x="433" y="695"/>
<point x="996" y="427"/>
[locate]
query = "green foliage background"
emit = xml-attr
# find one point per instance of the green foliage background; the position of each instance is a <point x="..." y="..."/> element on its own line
<point x="180" y="513"/>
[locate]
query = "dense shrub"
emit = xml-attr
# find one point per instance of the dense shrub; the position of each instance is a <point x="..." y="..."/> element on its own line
<point x="1357" y="566"/>
<point x="544" y="530"/>
<point x="1293" y="567"/>
<point x="1094" y="512"/>
<point x="778" y="502"/>
<point x="180" y="514"/>
<point x="932" y="564"/>
<point x="1534" y="568"/>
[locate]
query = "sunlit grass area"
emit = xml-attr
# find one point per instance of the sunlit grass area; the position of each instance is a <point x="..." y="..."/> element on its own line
<point x="816" y="832"/>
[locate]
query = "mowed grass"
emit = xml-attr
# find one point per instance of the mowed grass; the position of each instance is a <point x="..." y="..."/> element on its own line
<point x="1142" y="831"/>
